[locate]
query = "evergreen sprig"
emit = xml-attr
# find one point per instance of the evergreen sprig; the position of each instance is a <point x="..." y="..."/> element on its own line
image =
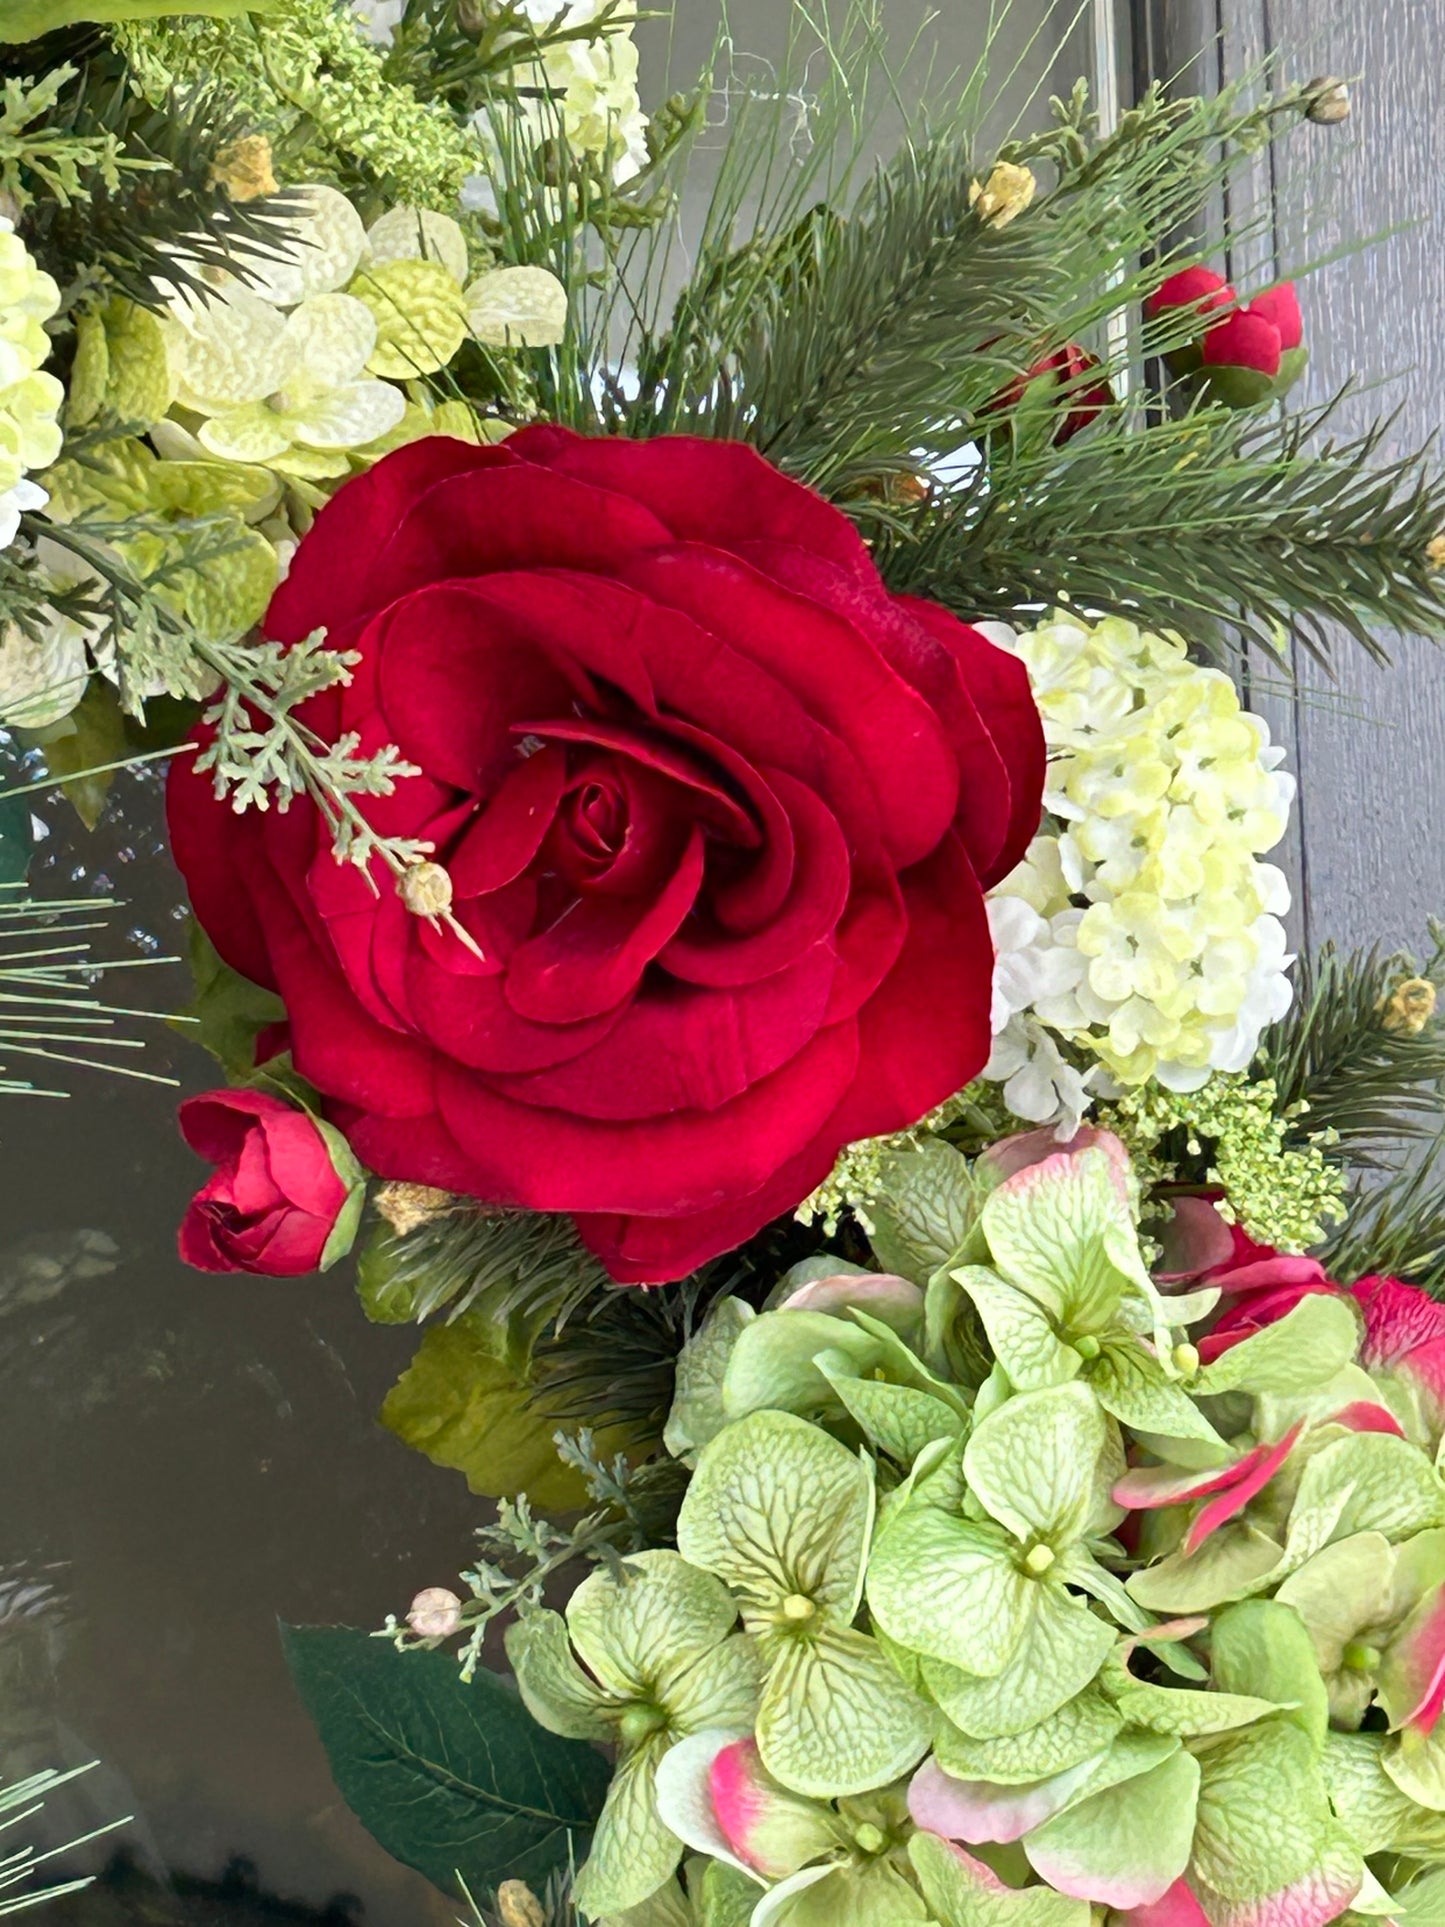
<point x="1223" y="525"/>
<point x="1342" y="1061"/>
<point x="1396" y="1229"/>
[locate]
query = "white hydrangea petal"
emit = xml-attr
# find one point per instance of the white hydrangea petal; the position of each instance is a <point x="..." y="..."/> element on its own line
<point x="348" y="416"/>
<point x="332" y="338"/>
<point x="252" y="434"/>
<point x="234" y="352"/>
<point x="42" y="677"/>
<point x="324" y="249"/>
<point x="419" y="234"/>
<point x="517" y="308"/>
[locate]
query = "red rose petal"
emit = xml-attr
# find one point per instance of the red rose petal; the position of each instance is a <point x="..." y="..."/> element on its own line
<point x="470" y="1019"/>
<point x="300" y="1165"/>
<point x="896" y="737"/>
<point x="689" y="1161"/>
<point x="701" y="953"/>
<point x="593" y="956"/>
<point x="499" y="842"/>
<point x="678" y="1048"/>
<point x="723" y="493"/>
<point x="999" y="685"/>
<point x="1243" y="340"/>
<point x="203" y="836"/>
<point x="327" y="582"/>
<point x="216" y="1124"/>
<point x="1280" y="307"/>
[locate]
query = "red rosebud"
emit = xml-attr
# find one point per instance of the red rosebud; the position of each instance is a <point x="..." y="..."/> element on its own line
<point x="276" y="1196"/>
<point x="1280" y="307"/>
<point x="1068" y="369"/>
<point x="1243" y="339"/>
<point x="1199" y="288"/>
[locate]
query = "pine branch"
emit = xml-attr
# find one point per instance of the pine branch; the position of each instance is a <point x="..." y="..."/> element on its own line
<point x="1215" y="521"/>
<point x="1395" y="1230"/>
<point x="158" y="215"/>
<point x="1348" y="1057"/>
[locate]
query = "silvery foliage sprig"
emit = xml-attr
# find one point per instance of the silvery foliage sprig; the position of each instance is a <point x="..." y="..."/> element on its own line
<point x="262" y="752"/>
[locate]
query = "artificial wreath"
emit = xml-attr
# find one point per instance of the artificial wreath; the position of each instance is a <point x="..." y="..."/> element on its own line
<point x="731" y="882"/>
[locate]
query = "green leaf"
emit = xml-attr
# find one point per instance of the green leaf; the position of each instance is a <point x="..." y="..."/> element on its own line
<point x="1031" y="1463"/>
<point x="461" y="1406"/>
<point x="92" y="735"/>
<point x="28" y="19"/>
<point x="1126" y="1846"/>
<point x="778" y="1507"/>
<point x="926" y="1211"/>
<point x="452" y="1779"/>
<point x="1263" y="1649"/>
<point x="1307" y="1347"/>
<point x="963" y="1892"/>
<point x="229" y="1010"/>
<point x="836" y="1717"/>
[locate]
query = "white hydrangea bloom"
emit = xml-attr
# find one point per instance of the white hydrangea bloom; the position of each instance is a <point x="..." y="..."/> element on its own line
<point x="30" y="399"/>
<point x="586" y="89"/>
<point x="1160" y="924"/>
<point x="1040" y="1085"/>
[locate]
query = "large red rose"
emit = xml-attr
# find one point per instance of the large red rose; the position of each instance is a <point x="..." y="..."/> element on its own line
<point x="717" y="809"/>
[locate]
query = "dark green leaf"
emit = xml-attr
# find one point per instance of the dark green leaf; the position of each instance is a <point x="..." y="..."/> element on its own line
<point x="28" y="19"/>
<point x="456" y="1780"/>
<point x="230" y="1011"/>
<point x="91" y="736"/>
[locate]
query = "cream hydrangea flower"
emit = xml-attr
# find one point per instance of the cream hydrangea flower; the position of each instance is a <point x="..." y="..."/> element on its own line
<point x="30" y="399"/>
<point x="42" y="677"/>
<point x="584" y="89"/>
<point x="1149" y="933"/>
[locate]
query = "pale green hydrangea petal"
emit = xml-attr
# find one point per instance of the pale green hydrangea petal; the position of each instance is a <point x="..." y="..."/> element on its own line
<point x="720" y="1689"/>
<point x="1080" y="1730"/>
<point x="1125" y="1846"/>
<point x="1308" y="1346"/>
<point x="697" y="1413"/>
<point x="326" y="244"/>
<point x="1264" y="1819"/>
<point x="1049" y="1232"/>
<point x="517" y="308"/>
<point x="633" y="1853"/>
<point x="1232" y="1563"/>
<point x="1364" y="1482"/>
<point x="1032" y="1463"/>
<point x="420" y="315"/>
<point x="926" y="1213"/>
<point x="1062" y="1649"/>
<point x="1263" y="1649"/>
<point x="1380" y="1817"/>
<point x="1020" y="1332"/>
<point x="896" y="1419"/>
<point x="772" y="1366"/>
<point x="1415" y="1761"/>
<point x="657" y="1617"/>
<point x="778" y="1508"/>
<point x="950" y="1589"/>
<point x="964" y="1892"/>
<point x="835" y="1716"/>
<point x="227" y="350"/>
<point x="558" y="1694"/>
<point x="1341" y="1594"/>
<point x="332" y="338"/>
<point x="251" y="434"/>
<point x="348" y="416"/>
<point x="1132" y="1385"/>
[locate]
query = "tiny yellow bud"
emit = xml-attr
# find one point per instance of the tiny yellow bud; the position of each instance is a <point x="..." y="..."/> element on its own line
<point x="869" y="1839"/>
<point x="1360" y="1657"/>
<point x="1038" y="1559"/>
<point x="426" y="890"/>
<point x="518" y="1906"/>
<point x="1087" y="1347"/>
<point x="1409" y="1007"/>
<point x="798" y="1608"/>
<point x="407" y="1207"/>
<point x="1186" y="1359"/>
<point x="243" y="168"/>
<point x="1004" y="195"/>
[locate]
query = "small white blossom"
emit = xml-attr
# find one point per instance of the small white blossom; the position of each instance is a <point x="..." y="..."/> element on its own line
<point x="1040" y="1085"/>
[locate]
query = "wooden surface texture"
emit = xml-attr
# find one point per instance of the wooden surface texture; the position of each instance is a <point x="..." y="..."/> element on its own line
<point x="1368" y="855"/>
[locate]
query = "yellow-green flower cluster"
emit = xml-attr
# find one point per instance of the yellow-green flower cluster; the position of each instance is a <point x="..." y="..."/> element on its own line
<point x="1157" y="920"/>
<point x="1283" y="1195"/>
<point x="29" y="398"/>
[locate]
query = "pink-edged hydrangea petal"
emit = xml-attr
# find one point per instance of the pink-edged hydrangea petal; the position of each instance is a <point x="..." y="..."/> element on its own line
<point x="1365" y="1416"/>
<point x="980" y="1811"/>
<point x="1176" y="1908"/>
<point x="1193" y="1241"/>
<point x="1227" y="1504"/>
<point x="896" y="1301"/>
